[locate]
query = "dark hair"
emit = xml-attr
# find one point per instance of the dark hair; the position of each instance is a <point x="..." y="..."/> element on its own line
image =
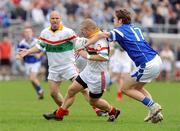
<point x="123" y="14"/>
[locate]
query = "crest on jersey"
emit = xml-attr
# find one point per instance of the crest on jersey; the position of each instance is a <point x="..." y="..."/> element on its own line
<point x="98" y="47"/>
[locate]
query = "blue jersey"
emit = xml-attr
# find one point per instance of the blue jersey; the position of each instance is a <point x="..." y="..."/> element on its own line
<point x="29" y="58"/>
<point x="132" y="41"/>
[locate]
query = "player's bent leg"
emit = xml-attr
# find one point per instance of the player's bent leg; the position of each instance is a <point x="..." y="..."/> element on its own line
<point x="132" y="89"/>
<point x="69" y="99"/>
<point x="154" y="109"/>
<point x="100" y="112"/>
<point x="72" y="91"/>
<point x="57" y="97"/>
<point x="55" y="93"/>
<point x="102" y="104"/>
<point x="85" y="93"/>
<point x="98" y="106"/>
<point x="144" y="91"/>
<point x="147" y="94"/>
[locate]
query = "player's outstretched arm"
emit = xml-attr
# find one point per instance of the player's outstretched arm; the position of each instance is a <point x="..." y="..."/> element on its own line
<point x="23" y="52"/>
<point x="94" y="40"/>
<point x="97" y="37"/>
<point x="85" y="55"/>
<point x="39" y="55"/>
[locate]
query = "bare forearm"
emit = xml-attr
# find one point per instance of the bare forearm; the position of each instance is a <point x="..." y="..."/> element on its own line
<point x="34" y="49"/>
<point x="96" y="58"/>
<point x="95" y="39"/>
<point x="41" y="54"/>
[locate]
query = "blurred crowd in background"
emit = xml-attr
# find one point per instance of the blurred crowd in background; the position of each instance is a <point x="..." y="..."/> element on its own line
<point x="145" y="12"/>
<point x="154" y="16"/>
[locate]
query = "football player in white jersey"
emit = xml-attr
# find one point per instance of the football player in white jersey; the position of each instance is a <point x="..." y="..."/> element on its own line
<point x="57" y="41"/>
<point x="81" y="63"/>
<point x="93" y="76"/>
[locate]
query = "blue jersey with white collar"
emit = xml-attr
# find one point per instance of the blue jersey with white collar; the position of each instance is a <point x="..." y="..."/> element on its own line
<point x="132" y="41"/>
<point x="25" y="45"/>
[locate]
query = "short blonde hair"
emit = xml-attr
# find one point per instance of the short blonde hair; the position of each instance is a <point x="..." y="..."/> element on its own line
<point x="88" y="24"/>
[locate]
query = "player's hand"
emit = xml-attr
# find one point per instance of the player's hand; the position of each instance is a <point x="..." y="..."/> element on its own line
<point x="18" y="57"/>
<point x="22" y="53"/>
<point x="83" y="53"/>
<point x="78" y="50"/>
<point x="38" y="56"/>
<point x="105" y="34"/>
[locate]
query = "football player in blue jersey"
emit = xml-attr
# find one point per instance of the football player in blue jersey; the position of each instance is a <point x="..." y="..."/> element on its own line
<point x="147" y="61"/>
<point x="32" y="62"/>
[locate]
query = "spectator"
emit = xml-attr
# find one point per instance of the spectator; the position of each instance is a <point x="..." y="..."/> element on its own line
<point x="98" y="15"/>
<point x="37" y="14"/>
<point x="109" y="3"/>
<point x="71" y="8"/>
<point x="167" y="57"/>
<point x="4" y="18"/>
<point x="147" y="18"/>
<point x="173" y="21"/>
<point x="18" y="12"/>
<point x="177" y="64"/>
<point x="5" y="58"/>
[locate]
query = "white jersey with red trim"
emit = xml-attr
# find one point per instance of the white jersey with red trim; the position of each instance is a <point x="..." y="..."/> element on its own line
<point x="100" y="48"/>
<point x="58" y="46"/>
<point x="96" y="74"/>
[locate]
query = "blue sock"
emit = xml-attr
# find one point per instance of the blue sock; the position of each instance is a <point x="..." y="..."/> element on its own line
<point x="148" y="102"/>
<point x="38" y="88"/>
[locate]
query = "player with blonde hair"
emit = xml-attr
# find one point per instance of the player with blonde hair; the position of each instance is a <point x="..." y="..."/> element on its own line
<point x="93" y="76"/>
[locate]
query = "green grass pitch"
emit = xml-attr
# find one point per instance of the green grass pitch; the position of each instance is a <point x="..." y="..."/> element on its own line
<point x="21" y="111"/>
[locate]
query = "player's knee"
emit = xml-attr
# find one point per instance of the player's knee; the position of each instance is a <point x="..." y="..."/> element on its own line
<point x="54" y="94"/>
<point x="71" y="92"/>
<point x="84" y="92"/>
<point x="92" y="102"/>
<point x="31" y="78"/>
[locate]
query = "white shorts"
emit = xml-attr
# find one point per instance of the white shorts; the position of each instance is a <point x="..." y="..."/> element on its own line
<point x="148" y="71"/>
<point x="32" y="68"/>
<point x="96" y="81"/>
<point x="64" y="73"/>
